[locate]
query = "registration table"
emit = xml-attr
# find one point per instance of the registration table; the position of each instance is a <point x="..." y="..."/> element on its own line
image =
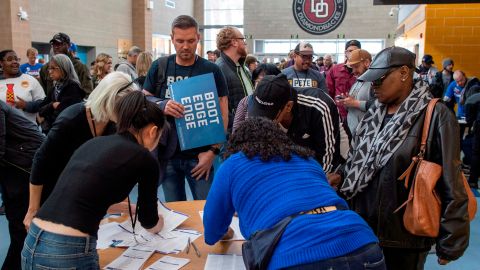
<point x="194" y="222"/>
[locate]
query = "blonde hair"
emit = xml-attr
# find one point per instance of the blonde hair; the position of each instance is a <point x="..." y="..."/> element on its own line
<point x="100" y="62"/>
<point x="102" y="99"/>
<point x="32" y="50"/>
<point x="144" y="61"/>
<point x="225" y="37"/>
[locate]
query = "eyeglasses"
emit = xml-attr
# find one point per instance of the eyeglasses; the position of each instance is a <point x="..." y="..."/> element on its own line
<point x="12" y="58"/>
<point x="53" y="68"/>
<point x="379" y="81"/>
<point x="305" y="57"/>
<point x="242" y="38"/>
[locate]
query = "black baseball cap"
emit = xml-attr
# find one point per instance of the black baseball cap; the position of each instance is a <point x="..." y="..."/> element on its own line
<point x="271" y="95"/>
<point x="427" y="58"/>
<point x="353" y="42"/>
<point x="60" y="38"/>
<point x="386" y="59"/>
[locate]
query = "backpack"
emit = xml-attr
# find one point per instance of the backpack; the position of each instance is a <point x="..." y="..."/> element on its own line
<point x="161" y="73"/>
<point x="467" y="92"/>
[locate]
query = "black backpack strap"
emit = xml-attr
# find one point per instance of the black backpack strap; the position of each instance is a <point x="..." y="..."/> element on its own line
<point x="161" y="73"/>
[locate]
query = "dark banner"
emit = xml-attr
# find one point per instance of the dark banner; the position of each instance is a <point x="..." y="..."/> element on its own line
<point x="409" y="2"/>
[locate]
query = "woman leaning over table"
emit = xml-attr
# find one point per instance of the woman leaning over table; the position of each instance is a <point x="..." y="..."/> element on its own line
<point x="267" y="178"/>
<point x="71" y="129"/>
<point x="386" y="140"/>
<point x="100" y="173"/>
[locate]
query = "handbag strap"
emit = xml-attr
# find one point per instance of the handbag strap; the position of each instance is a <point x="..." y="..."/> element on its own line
<point x="426" y="125"/>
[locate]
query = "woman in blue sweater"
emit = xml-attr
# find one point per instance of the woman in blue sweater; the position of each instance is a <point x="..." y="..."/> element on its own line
<point x="267" y="178"/>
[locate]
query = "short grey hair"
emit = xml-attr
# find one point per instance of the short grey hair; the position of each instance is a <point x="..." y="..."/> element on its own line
<point x="66" y="65"/>
<point x="134" y="50"/>
<point x="103" y="98"/>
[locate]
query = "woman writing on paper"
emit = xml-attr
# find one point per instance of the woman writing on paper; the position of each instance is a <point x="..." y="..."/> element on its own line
<point x="100" y="173"/>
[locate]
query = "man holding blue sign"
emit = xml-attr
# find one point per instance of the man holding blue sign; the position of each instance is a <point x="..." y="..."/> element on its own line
<point x="194" y="164"/>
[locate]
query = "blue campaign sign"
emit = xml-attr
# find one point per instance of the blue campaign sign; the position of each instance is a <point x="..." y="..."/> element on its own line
<point x="202" y="124"/>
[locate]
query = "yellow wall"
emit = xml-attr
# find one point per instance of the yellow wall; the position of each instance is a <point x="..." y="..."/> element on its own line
<point x="453" y="30"/>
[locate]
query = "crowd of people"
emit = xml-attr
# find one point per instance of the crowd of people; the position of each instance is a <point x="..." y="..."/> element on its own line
<point x="318" y="141"/>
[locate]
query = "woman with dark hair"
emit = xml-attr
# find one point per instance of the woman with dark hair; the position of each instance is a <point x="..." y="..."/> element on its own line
<point x="75" y="125"/>
<point x="387" y="139"/>
<point x="257" y="75"/>
<point x="17" y="88"/>
<point x="66" y="225"/>
<point x="66" y="90"/>
<point x="266" y="178"/>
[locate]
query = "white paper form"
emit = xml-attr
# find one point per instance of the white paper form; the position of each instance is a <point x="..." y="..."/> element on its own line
<point x="235" y="225"/>
<point x="107" y="233"/>
<point x="168" y="263"/>
<point x="171" y="218"/>
<point x="224" y="261"/>
<point x="132" y="259"/>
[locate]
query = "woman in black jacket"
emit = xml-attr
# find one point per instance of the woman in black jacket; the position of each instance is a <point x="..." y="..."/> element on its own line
<point x="386" y="140"/>
<point x="66" y="90"/>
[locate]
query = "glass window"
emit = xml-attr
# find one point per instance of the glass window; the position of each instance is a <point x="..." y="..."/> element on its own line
<point x="223" y="4"/>
<point x="224" y="17"/>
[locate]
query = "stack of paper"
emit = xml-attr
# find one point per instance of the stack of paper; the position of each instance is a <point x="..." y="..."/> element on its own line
<point x="169" y="240"/>
<point x="235" y="225"/>
<point x="132" y="259"/>
<point x="224" y="261"/>
<point x="168" y="263"/>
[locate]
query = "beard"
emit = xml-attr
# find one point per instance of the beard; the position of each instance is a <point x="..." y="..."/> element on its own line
<point x="242" y="52"/>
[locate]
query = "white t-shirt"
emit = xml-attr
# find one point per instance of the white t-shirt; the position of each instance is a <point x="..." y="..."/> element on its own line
<point x="26" y="87"/>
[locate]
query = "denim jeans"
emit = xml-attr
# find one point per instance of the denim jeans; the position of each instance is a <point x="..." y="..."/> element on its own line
<point x="174" y="181"/>
<point x="367" y="257"/>
<point x="46" y="250"/>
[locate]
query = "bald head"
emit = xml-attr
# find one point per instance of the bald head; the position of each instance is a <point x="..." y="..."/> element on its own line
<point x="460" y="78"/>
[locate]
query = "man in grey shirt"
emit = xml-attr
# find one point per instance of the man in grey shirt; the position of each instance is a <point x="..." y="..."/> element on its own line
<point x="300" y="74"/>
<point x="128" y="66"/>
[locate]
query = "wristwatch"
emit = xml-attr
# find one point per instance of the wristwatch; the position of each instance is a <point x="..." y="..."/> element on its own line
<point x="215" y="150"/>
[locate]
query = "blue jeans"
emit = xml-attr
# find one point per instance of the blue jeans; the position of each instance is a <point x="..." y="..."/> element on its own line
<point x="46" y="250"/>
<point x="367" y="257"/>
<point x="174" y="181"/>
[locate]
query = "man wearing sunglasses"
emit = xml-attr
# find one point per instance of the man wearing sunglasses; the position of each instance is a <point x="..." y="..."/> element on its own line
<point x="300" y="74"/>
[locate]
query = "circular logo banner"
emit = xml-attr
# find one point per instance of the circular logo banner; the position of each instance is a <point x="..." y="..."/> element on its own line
<point x="319" y="17"/>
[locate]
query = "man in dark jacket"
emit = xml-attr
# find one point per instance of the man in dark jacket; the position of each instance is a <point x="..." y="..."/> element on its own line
<point x="309" y="114"/>
<point x="472" y="109"/>
<point x="233" y="51"/>
<point x="60" y="44"/>
<point x="19" y="139"/>
<point x="442" y="79"/>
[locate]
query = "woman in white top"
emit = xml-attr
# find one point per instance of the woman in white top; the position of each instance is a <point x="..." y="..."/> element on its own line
<point x="17" y="88"/>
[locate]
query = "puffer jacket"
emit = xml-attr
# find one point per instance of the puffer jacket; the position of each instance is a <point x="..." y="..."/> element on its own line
<point x="385" y="193"/>
<point x="236" y="89"/>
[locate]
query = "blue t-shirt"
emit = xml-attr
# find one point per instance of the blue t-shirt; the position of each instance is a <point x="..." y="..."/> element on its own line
<point x="175" y="72"/>
<point x="31" y="70"/>
<point x="454" y="91"/>
<point x="263" y="193"/>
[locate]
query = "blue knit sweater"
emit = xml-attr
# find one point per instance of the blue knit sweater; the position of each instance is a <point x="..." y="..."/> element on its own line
<point x="263" y="193"/>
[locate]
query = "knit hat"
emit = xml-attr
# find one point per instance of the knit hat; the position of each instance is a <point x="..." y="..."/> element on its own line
<point x="446" y="62"/>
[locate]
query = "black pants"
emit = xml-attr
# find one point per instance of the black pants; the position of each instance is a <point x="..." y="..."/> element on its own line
<point x="405" y="259"/>
<point x="15" y="188"/>
<point x="475" y="158"/>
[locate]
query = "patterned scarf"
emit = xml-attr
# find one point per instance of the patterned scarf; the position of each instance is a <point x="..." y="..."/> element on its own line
<point x="373" y="146"/>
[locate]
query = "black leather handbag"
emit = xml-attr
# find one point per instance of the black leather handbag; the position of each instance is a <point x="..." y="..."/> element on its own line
<point x="258" y="250"/>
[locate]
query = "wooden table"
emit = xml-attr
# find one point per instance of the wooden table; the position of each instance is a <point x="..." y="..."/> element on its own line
<point x="194" y="222"/>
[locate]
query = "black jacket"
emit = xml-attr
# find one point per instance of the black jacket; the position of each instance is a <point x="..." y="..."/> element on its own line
<point x="316" y="125"/>
<point x="385" y="193"/>
<point x="70" y="94"/>
<point x="19" y="137"/>
<point x="236" y="87"/>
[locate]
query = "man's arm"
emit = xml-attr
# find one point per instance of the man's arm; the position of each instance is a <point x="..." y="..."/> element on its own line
<point x="224" y="110"/>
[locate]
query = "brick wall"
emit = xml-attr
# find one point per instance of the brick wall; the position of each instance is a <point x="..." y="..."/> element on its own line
<point x="453" y="30"/>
